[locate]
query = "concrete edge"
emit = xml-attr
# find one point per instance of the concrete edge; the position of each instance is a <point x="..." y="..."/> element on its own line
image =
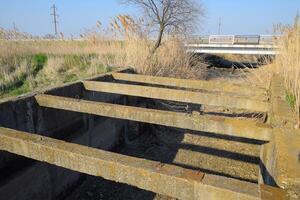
<point x="47" y="89"/>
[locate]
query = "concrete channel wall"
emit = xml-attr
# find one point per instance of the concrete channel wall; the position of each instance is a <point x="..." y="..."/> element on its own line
<point x="280" y="158"/>
<point x="24" y="114"/>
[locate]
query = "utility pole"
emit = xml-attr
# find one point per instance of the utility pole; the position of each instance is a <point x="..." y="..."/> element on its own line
<point x="220" y="24"/>
<point x="14" y="27"/>
<point x="55" y="19"/>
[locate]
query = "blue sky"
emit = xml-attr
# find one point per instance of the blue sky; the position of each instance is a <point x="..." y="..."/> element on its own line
<point x="238" y="16"/>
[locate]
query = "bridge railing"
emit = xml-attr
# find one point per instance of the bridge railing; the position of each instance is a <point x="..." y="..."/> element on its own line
<point x="235" y="39"/>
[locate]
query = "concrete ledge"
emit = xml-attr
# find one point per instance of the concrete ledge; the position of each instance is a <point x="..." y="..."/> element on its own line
<point x="272" y="193"/>
<point x="218" y="86"/>
<point x="280" y="158"/>
<point x="149" y="175"/>
<point x="283" y="161"/>
<point x="281" y="114"/>
<point x="22" y="113"/>
<point x="220" y="125"/>
<point x="212" y="99"/>
<point x="56" y="88"/>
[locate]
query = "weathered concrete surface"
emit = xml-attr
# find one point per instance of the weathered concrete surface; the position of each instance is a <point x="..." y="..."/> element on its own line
<point x="282" y="161"/>
<point x="280" y="158"/>
<point x="22" y="113"/>
<point x="219" y="86"/>
<point x="220" y="125"/>
<point x="154" y="176"/>
<point x="272" y="193"/>
<point x="36" y="181"/>
<point x="58" y="180"/>
<point x="212" y="99"/>
<point x="287" y="151"/>
<point x="195" y="139"/>
<point x="281" y="114"/>
<point x="218" y="155"/>
<point x="203" y="160"/>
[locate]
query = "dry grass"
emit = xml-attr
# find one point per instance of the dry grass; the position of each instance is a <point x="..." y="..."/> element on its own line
<point x="72" y="60"/>
<point x="260" y="76"/>
<point x="287" y="63"/>
<point x="134" y="52"/>
<point x="54" y="47"/>
<point x="20" y="74"/>
<point x="169" y="60"/>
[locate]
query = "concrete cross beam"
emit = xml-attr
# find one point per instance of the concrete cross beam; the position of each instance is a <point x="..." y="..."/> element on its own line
<point x="160" y="178"/>
<point x="218" y="86"/>
<point x="213" y="124"/>
<point x="205" y="98"/>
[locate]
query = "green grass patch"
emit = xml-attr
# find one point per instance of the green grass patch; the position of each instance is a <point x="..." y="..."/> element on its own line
<point x="291" y="99"/>
<point x="17" y="90"/>
<point x="36" y="72"/>
<point x="39" y="61"/>
<point x="76" y="61"/>
<point x="21" y="90"/>
<point x="6" y="88"/>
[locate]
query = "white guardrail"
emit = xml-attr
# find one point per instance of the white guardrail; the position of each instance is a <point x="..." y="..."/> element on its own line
<point x="234" y="44"/>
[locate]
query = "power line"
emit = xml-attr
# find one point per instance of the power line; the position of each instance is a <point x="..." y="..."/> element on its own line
<point x="55" y="19"/>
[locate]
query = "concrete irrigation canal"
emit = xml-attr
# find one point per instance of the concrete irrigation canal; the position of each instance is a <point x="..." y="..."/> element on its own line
<point x="144" y="137"/>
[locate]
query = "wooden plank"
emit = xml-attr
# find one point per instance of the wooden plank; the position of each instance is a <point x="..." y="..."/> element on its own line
<point x="214" y="124"/>
<point x="220" y="86"/>
<point x="160" y="178"/>
<point x="179" y="95"/>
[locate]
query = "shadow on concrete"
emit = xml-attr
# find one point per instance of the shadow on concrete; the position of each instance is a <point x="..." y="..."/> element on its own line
<point x="142" y="142"/>
<point x="150" y="147"/>
<point x="267" y="177"/>
<point x="221" y="153"/>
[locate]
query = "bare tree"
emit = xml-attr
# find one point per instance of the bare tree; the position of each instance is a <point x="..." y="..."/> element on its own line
<point x="180" y="16"/>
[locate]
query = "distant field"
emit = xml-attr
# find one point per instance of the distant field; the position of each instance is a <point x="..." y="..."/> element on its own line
<point x="29" y="65"/>
<point x="21" y="74"/>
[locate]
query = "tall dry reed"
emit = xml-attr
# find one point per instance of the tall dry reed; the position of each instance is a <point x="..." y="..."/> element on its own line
<point x="287" y="63"/>
<point x="129" y="45"/>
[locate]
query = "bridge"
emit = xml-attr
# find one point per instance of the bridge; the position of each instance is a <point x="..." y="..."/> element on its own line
<point x="231" y="44"/>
